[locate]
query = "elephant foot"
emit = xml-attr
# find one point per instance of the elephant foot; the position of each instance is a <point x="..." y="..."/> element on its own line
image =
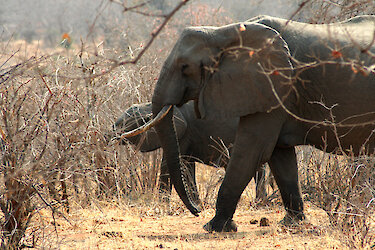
<point x="216" y="225"/>
<point x="292" y="219"/>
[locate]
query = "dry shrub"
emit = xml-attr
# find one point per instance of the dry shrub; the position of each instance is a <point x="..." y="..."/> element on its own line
<point x="343" y="187"/>
<point x="53" y="151"/>
<point x="320" y="11"/>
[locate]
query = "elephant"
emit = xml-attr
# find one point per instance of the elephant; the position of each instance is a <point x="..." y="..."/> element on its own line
<point x="291" y="84"/>
<point x="203" y="141"/>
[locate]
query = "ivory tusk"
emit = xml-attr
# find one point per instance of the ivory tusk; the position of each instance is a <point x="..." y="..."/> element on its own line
<point x="163" y="112"/>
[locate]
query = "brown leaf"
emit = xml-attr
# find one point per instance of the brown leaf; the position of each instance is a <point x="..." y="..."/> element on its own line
<point x="336" y="54"/>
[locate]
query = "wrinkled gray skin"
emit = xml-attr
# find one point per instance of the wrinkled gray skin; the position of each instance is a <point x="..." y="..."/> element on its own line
<point x="203" y="141"/>
<point x="203" y="67"/>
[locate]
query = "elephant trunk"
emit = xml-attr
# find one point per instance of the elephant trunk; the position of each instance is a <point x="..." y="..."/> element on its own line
<point x="171" y="153"/>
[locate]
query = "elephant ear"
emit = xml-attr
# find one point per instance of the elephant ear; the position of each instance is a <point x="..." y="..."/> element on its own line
<point x="180" y="122"/>
<point x="253" y="64"/>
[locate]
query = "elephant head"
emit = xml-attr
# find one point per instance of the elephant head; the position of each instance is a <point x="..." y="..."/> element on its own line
<point x="232" y="70"/>
<point x="138" y="115"/>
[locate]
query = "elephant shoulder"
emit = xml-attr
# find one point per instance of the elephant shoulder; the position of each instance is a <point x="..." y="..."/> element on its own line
<point x="360" y="19"/>
<point x="259" y="18"/>
<point x="361" y="30"/>
<point x="196" y="33"/>
<point x="269" y="21"/>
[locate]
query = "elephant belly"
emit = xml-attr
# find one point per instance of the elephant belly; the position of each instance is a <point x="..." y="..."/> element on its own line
<point x="292" y="134"/>
<point x="217" y="157"/>
<point x="289" y="140"/>
<point x="355" y="140"/>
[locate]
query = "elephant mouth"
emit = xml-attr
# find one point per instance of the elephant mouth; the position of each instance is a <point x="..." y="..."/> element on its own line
<point x="185" y="98"/>
<point x="189" y="96"/>
<point x="196" y="107"/>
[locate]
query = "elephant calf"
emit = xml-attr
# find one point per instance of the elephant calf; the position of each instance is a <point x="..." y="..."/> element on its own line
<point x="199" y="140"/>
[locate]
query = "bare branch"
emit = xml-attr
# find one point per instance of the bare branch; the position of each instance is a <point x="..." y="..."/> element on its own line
<point x="155" y="33"/>
<point x="325" y="122"/>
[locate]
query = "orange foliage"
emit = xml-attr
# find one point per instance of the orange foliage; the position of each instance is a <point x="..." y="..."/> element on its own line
<point x="336" y="54"/>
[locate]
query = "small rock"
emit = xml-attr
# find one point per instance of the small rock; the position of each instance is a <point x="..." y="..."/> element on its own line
<point x="264" y="222"/>
<point x="112" y="234"/>
<point x="253" y="221"/>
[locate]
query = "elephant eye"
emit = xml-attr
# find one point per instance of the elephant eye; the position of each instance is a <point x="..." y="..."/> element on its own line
<point x="184" y="67"/>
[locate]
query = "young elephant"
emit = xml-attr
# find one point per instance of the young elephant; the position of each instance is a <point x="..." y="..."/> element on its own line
<point x="199" y="140"/>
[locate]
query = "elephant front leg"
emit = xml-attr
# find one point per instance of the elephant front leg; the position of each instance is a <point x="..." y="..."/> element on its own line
<point x="254" y="144"/>
<point x="283" y="164"/>
<point x="235" y="181"/>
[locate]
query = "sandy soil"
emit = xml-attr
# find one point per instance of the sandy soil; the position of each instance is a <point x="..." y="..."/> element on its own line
<point x="132" y="228"/>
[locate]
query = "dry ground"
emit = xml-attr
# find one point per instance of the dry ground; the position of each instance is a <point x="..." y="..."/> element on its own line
<point x="153" y="225"/>
<point x="129" y="228"/>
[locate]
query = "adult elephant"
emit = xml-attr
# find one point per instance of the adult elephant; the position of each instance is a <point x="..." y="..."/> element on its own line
<point x="203" y="141"/>
<point x="290" y="83"/>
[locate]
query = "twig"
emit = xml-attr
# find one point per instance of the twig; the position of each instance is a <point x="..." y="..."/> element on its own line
<point x="48" y="205"/>
<point x="95" y="19"/>
<point x="325" y="123"/>
<point x="155" y="34"/>
<point x="300" y="7"/>
<point x="132" y="7"/>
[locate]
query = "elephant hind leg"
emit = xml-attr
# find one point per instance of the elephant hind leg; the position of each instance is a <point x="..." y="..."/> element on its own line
<point x="283" y="164"/>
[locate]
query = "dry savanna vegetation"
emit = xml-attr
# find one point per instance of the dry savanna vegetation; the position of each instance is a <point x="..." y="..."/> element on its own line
<point x="63" y="186"/>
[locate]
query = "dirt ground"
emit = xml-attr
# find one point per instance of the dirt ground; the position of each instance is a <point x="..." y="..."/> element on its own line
<point x="131" y="228"/>
<point x="150" y="224"/>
